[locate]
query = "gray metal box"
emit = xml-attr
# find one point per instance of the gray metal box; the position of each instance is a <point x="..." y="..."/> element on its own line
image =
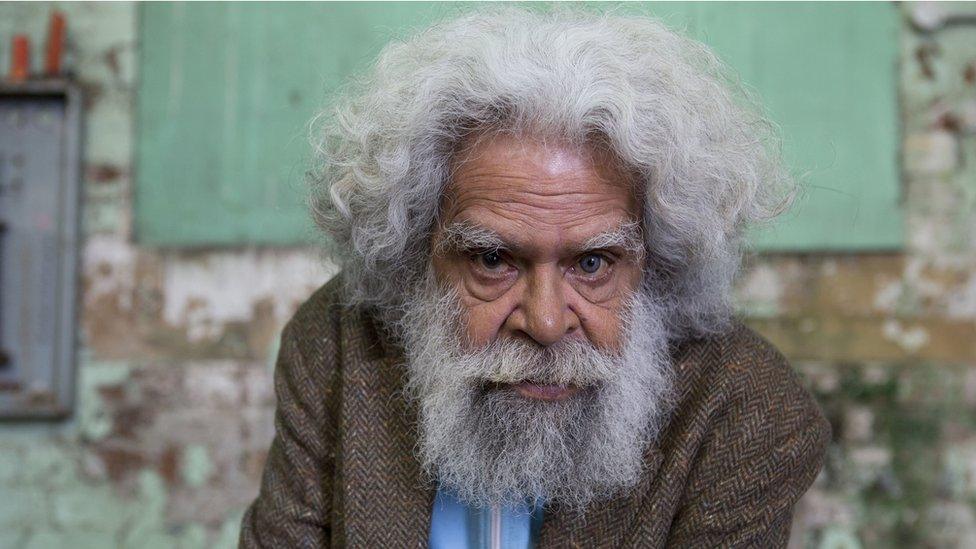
<point x="40" y="129"/>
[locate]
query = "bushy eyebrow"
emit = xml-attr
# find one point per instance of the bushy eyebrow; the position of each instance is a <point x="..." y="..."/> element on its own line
<point x="628" y="237"/>
<point x="467" y="237"/>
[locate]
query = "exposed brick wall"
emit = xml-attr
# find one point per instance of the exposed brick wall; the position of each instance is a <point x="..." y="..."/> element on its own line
<point x="174" y="408"/>
<point x="174" y="413"/>
<point x="888" y="341"/>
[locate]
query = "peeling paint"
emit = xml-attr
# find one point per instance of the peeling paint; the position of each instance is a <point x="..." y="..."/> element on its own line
<point x="859" y="424"/>
<point x="959" y="464"/>
<point x="196" y="466"/>
<point x="961" y="302"/>
<point x="932" y="153"/>
<point x="108" y="268"/>
<point x="204" y="293"/>
<point x="761" y="292"/>
<point x="910" y="339"/>
<point x="94" y="421"/>
<point x="838" y="538"/>
<point x="887" y="298"/>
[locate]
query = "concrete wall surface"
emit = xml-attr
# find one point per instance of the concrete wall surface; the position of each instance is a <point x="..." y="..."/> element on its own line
<point x="174" y="409"/>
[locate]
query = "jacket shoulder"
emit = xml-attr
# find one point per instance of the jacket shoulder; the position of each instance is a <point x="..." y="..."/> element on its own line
<point x="739" y="362"/>
<point x="315" y="323"/>
<point x="325" y="326"/>
<point x="324" y="304"/>
<point x="740" y="381"/>
<point x="756" y="370"/>
<point x="758" y="439"/>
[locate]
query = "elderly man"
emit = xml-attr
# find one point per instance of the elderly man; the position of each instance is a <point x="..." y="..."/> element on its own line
<point x="539" y="218"/>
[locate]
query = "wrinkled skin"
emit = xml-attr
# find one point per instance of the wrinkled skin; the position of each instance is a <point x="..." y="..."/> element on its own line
<point x="545" y="202"/>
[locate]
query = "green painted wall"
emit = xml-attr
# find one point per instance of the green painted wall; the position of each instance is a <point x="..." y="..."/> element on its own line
<point x="227" y="90"/>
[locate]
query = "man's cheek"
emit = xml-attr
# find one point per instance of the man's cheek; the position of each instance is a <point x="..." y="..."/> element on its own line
<point x="601" y="323"/>
<point x="486" y="289"/>
<point x="482" y="321"/>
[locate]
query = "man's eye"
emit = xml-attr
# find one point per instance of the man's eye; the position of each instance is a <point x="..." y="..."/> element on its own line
<point x="490" y="260"/>
<point x="591" y="263"/>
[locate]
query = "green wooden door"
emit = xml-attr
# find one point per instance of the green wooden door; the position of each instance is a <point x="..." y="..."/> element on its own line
<point x="227" y="90"/>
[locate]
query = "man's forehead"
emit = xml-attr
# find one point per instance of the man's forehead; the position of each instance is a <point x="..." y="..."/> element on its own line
<point x="548" y="157"/>
<point x="506" y="167"/>
<point x="533" y="192"/>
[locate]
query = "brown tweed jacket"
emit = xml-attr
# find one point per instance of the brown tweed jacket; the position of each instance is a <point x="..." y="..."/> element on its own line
<point x="744" y="442"/>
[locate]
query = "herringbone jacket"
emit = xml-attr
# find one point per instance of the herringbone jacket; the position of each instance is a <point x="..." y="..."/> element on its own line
<point x="744" y="442"/>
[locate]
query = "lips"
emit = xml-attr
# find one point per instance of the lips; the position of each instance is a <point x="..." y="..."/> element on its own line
<point x="541" y="391"/>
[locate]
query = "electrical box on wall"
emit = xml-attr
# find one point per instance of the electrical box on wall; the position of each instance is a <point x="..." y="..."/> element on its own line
<point x="40" y="130"/>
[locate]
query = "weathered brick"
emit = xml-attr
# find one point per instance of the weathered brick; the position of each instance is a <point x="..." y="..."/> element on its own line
<point x="934" y="16"/>
<point x="228" y="534"/>
<point x="258" y="387"/>
<point x="932" y="153"/>
<point x="951" y="524"/>
<point x="858" y="424"/>
<point x="215" y="385"/>
<point x="858" y="339"/>
<point x="196" y="465"/>
<point x="959" y="463"/>
<point x="835" y="537"/>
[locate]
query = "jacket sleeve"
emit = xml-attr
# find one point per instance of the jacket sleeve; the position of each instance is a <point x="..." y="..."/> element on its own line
<point x="766" y="447"/>
<point x="294" y="505"/>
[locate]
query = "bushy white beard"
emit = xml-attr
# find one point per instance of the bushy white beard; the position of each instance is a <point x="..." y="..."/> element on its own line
<point x="493" y="446"/>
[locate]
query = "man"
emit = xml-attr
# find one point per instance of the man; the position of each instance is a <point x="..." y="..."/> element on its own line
<point x="539" y="218"/>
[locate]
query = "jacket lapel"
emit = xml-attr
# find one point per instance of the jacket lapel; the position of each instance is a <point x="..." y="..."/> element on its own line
<point x="387" y="501"/>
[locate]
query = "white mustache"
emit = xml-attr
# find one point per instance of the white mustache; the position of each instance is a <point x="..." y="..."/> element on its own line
<point x="571" y="362"/>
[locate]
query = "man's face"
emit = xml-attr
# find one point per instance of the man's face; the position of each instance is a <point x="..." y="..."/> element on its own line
<point x="539" y="369"/>
<point x="541" y="243"/>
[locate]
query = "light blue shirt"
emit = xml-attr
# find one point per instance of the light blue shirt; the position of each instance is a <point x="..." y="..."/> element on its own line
<point x="456" y="525"/>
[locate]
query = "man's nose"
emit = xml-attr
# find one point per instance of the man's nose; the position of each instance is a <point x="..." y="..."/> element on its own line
<point x="543" y="313"/>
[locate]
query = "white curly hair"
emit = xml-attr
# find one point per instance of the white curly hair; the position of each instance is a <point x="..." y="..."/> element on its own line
<point x="706" y="160"/>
